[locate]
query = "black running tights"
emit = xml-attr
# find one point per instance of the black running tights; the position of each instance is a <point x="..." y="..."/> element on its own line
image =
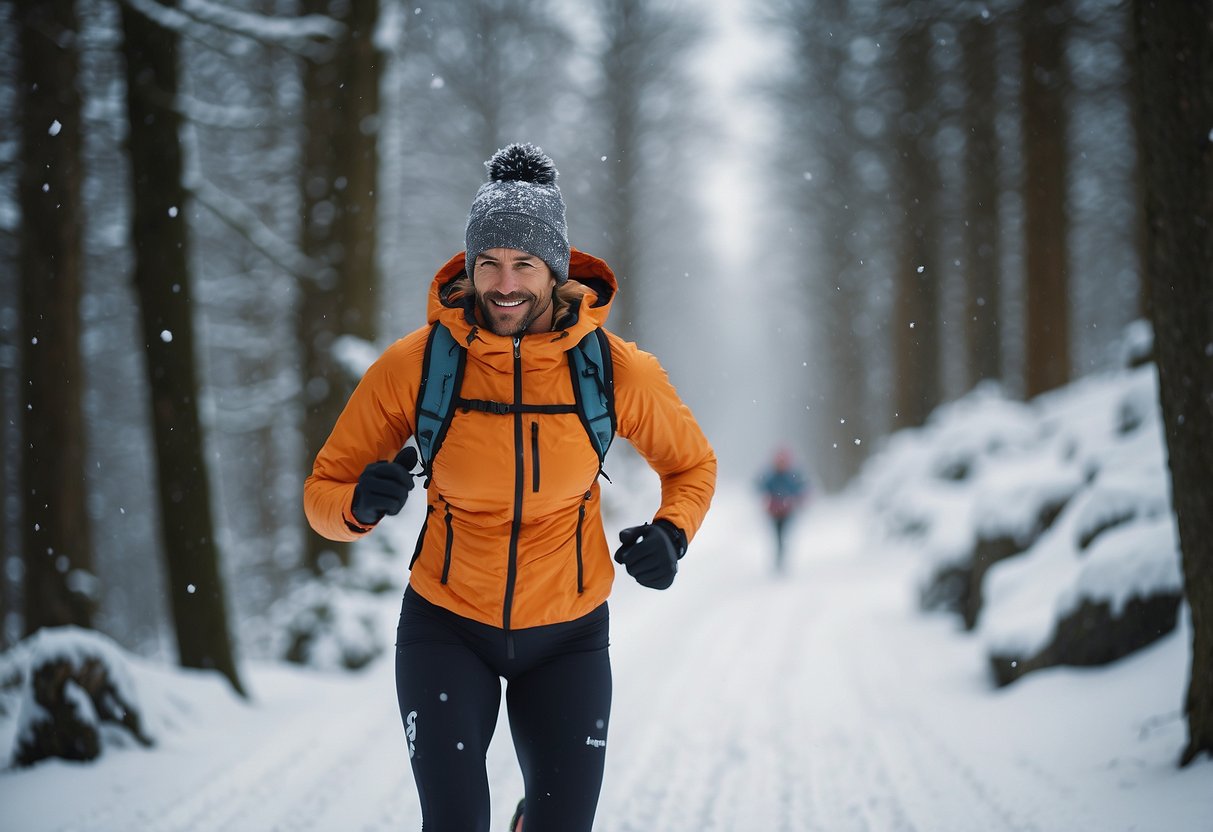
<point x="558" y="698"/>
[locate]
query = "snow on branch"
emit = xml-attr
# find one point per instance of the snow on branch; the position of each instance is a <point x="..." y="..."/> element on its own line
<point x="222" y="116"/>
<point x="265" y="28"/>
<point x="308" y="35"/>
<point x="239" y="217"/>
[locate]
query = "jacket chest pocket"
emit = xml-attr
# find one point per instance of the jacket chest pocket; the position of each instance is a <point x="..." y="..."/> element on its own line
<point x="559" y="460"/>
<point x="535" y="456"/>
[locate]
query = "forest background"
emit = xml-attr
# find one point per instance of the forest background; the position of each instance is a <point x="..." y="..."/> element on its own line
<point x="827" y="219"/>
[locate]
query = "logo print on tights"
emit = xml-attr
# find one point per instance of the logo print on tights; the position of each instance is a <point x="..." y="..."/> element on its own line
<point x="410" y="731"/>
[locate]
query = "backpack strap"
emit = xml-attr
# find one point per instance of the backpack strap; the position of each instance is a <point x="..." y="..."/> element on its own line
<point x="441" y="377"/>
<point x="594" y="388"/>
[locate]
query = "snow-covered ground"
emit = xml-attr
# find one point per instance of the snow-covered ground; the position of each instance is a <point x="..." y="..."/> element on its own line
<point x="823" y="700"/>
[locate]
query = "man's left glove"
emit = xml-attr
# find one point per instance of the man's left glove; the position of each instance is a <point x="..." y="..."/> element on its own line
<point x="383" y="487"/>
<point x="651" y="552"/>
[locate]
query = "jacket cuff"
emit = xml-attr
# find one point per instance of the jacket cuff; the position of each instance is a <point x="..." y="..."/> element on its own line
<point x="354" y="526"/>
<point x="676" y="534"/>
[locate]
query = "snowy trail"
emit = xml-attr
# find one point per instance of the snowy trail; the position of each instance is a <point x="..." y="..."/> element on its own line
<point x="777" y="707"/>
<point x="820" y="701"/>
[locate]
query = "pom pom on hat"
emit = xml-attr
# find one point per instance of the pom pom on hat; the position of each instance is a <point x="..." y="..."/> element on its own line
<point x="521" y="163"/>
<point x="520" y="207"/>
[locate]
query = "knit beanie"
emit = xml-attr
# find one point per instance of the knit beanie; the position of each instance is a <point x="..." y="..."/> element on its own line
<point x="520" y="207"/>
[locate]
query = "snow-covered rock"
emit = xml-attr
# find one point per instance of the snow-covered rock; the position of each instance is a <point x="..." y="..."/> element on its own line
<point x="1046" y="525"/>
<point x="74" y="695"/>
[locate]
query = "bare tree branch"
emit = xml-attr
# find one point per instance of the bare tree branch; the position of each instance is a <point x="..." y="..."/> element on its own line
<point x="240" y="218"/>
<point x="223" y="116"/>
<point x="309" y="36"/>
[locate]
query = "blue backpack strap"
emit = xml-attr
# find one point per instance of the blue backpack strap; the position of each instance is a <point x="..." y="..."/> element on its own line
<point x="441" y="376"/>
<point x="594" y="388"/>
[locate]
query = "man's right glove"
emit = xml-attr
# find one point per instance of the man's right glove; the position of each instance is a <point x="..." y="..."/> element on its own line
<point x="651" y="552"/>
<point x="383" y="487"/>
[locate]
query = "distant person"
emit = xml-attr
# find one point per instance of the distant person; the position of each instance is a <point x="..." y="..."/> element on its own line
<point x="512" y="392"/>
<point x="785" y="490"/>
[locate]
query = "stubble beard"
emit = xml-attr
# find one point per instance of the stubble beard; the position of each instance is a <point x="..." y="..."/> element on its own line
<point x="500" y="327"/>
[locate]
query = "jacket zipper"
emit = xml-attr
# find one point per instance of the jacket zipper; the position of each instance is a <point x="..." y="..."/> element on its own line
<point x="511" y="573"/>
<point x="450" y="540"/>
<point x="535" y="456"/>
<point x="580" y="521"/>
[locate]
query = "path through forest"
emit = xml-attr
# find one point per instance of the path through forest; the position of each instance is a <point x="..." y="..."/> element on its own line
<point x="817" y="701"/>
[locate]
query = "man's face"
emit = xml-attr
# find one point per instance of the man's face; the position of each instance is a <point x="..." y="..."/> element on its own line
<point x="513" y="291"/>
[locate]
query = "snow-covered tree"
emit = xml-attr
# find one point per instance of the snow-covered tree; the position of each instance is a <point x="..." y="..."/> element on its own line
<point x="641" y="114"/>
<point x="338" y="202"/>
<point x="163" y="281"/>
<point x="982" y="263"/>
<point x="60" y="587"/>
<point x="1175" y="101"/>
<point x="826" y="168"/>
<point x="1047" y="297"/>
<point x="918" y="226"/>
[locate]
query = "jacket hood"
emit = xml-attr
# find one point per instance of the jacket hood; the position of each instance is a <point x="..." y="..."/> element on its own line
<point x="590" y="313"/>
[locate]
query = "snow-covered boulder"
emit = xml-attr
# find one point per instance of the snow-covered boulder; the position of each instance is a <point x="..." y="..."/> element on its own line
<point x="335" y="621"/>
<point x="1105" y="579"/>
<point x="1046" y="525"/>
<point x="1065" y="605"/>
<point x="976" y="484"/>
<point x="1016" y="502"/>
<point x="327" y="625"/>
<point x="74" y="695"/>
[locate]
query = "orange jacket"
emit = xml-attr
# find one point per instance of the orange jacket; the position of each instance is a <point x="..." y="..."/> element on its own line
<point x="486" y="554"/>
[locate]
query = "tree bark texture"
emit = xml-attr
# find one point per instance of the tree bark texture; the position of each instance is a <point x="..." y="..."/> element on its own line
<point x="917" y="368"/>
<point x="162" y="283"/>
<point x="339" y="195"/>
<point x="834" y="289"/>
<point x="1047" y="282"/>
<point x="1175" y="101"/>
<point x="623" y="67"/>
<point x="982" y="252"/>
<point x="60" y="588"/>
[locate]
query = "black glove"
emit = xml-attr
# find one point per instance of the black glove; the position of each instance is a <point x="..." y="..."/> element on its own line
<point x="651" y="552"/>
<point x="383" y="487"/>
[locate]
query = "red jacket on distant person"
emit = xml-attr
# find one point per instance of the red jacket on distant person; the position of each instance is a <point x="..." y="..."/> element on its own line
<point x="784" y="487"/>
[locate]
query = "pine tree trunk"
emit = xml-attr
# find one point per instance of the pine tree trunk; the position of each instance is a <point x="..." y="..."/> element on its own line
<point x="916" y="279"/>
<point x="1047" y="306"/>
<point x="162" y="282"/>
<point x="834" y="288"/>
<point x="983" y="308"/>
<point x="1175" y="111"/>
<point x="1131" y="57"/>
<point x="339" y="194"/>
<point x="622" y="92"/>
<point x="56" y="542"/>
<point x="357" y="155"/>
